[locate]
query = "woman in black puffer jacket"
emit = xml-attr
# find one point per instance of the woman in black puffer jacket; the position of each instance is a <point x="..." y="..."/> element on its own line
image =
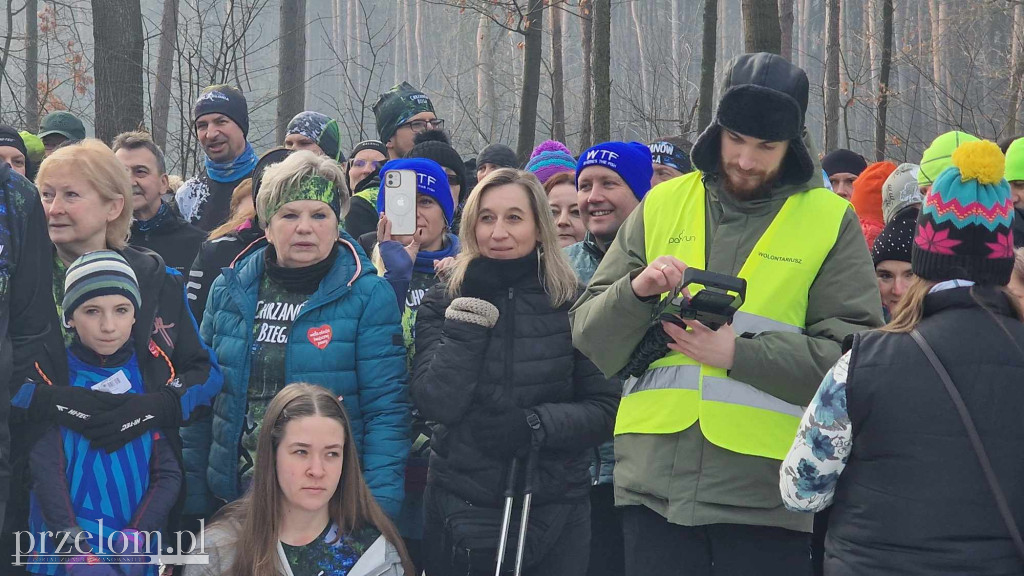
<point x="496" y="370"/>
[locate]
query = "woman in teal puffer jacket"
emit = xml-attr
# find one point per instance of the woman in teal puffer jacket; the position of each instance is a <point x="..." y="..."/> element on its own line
<point x="308" y="307"/>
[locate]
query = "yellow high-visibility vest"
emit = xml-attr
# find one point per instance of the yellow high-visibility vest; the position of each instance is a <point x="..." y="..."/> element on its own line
<point x="677" y="391"/>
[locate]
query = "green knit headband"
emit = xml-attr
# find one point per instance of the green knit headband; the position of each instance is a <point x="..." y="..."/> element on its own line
<point x="311" y="188"/>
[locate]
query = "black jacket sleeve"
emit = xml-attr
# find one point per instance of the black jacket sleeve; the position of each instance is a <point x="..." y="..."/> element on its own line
<point x="586" y="421"/>
<point x="198" y="375"/>
<point x="362" y="217"/>
<point x="448" y="361"/>
<point x="200" y="278"/>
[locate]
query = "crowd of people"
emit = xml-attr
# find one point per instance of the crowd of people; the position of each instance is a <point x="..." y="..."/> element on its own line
<point x="255" y="358"/>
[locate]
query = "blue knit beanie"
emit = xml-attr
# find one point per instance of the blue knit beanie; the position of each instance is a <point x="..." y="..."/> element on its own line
<point x="431" y="180"/>
<point x="630" y="160"/>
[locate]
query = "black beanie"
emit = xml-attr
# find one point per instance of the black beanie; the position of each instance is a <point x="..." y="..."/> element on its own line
<point x="369" y="145"/>
<point x="434" y="145"/>
<point x="499" y="155"/>
<point x="226" y="100"/>
<point x="897" y="239"/>
<point x="10" y="137"/>
<point x="843" y="160"/>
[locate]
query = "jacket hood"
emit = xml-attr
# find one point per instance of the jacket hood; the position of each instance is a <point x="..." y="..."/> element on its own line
<point x="765" y="97"/>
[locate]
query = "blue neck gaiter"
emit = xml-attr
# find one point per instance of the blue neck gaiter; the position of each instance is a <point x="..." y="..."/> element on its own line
<point x="234" y="170"/>
<point x="425" y="259"/>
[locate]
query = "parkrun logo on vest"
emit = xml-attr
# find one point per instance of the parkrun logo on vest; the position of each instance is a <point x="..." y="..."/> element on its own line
<point x="682" y="237"/>
<point x="785" y="259"/>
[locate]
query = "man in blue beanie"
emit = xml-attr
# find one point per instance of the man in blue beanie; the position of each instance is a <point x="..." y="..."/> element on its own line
<point x="701" y="432"/>
<point x="611" y="179"/>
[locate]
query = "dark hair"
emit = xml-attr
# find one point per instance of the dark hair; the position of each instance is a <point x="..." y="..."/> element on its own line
<point x="432" y="136"/>
<point x="559" y="179"/>
<point x="136" y="140"/>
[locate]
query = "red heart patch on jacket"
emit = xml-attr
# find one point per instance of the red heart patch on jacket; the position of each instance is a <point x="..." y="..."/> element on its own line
<point x="320" y="336"/>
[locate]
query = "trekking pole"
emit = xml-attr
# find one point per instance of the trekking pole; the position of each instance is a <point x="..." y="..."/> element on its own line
<point x="510" y="492"/>
<point x="529" y="473"/>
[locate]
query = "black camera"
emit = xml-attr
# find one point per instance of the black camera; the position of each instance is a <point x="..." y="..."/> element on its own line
<point x="713" y="306"/>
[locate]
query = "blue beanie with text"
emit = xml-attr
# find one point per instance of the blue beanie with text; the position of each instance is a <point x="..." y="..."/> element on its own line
<point x="630" y="160"/>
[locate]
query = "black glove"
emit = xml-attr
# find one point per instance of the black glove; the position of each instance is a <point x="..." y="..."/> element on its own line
<point x="503" y="431"/>
<point x="139" y="414"/>
<point x="71" y="406"/>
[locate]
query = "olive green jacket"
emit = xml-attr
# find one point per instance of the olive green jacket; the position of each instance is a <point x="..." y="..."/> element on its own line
<point x="682" y="476"/>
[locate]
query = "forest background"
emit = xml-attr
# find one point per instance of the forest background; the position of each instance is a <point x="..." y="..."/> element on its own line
<point x="886" y="76"/>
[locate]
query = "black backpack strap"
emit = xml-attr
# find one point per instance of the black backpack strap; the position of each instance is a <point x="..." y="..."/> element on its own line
<point x="972" y="434"/>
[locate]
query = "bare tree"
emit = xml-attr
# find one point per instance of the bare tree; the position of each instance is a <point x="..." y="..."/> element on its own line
<point x="531" y="79"/>
<point x="1012" y="124"/>
<point x="164" y="71"/>
<point x="587" y="109"/>
<point x="786" y="25"/>
<point x="645" y="87"/>
<point x="707" y="63"/>
<point x="485" y="93"/>
<point x="118" y="47"/>
<point x="291" y="80"/>
<point x="831" y="75"/>
<point x="557" y="76"/>
<point x="31" y="66"/>
<point x="883" y="80"/>
<point x="602" y="70"/>
<point x="761" y="31"/>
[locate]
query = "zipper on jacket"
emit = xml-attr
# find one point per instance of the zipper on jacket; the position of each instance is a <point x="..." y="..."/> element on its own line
<point x="510" y="327"/>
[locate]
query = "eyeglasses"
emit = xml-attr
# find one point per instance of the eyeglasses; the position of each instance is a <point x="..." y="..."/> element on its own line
<point x="372" y="164"/>
<point x="418" y="126"/>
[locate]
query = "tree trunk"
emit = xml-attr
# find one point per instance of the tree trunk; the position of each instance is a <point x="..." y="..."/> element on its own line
<point x="117" y="59"/>
<point x="936" y="63"/>
<point x="831" y="75"/>
<point x="805" y="32"/>
<point x="485" y="94"/>
<point x="531" y="79"/>
<point x="677" y="71"/>
<point x="31" y="66"/>
<point x="557" y="87"/>
<point x="707" y="63"/>
<point x="291" y="79"/>
<point x="786" y="25"/>
<point x="419" y="44"/>
<point x="602" y="70"/>
<point x="1016" y="70"/>
<point x="761" y="30"/>
<point x="164" y="71"/>
<point x="587" y="111"/>
<point x="883" y="80"/>
<point x="410" y="58"/>
<point x="645" y="88"/>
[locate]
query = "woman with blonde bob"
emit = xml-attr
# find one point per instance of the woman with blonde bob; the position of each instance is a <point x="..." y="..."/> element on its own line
<point x="495" y="368"/>
<point x="885" y="441"/>
<point x="308" y="510"/>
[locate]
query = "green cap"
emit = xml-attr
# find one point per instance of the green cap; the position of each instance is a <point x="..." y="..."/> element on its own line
<point x="64" y="123"/>
<point x="1015" y="161"/>
<point x="939" y="155"/>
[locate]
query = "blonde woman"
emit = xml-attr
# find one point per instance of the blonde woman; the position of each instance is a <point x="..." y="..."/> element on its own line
<point x="309" y="510"/>
<point x="87" y="199"/>
<point x="496" y="369"/>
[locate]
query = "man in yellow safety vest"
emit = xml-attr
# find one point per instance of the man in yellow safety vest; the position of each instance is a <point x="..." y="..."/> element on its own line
<point x="699" y="437"/>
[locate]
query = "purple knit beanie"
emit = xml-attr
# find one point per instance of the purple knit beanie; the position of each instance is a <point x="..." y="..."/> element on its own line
<point x="549" y="158"/>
